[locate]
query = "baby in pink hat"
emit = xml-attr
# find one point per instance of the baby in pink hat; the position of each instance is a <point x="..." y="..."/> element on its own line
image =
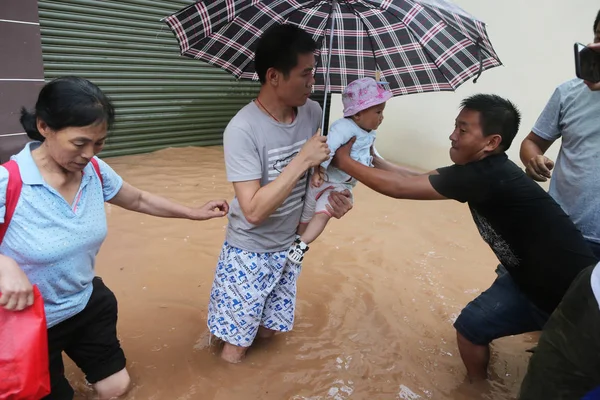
<point x="364" y="101"/>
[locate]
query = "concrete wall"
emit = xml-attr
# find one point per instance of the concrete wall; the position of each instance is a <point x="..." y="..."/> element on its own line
<point x="21" y="69"/>
<point x="534" y="40"/>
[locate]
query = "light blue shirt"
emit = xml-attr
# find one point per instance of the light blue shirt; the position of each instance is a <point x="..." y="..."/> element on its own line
<point x="55" y="243"/>
<point x="340" y="132"/>
<point x="573" y="113"/>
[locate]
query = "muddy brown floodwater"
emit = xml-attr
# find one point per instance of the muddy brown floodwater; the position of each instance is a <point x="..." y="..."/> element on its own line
<point x="377" y="297"/>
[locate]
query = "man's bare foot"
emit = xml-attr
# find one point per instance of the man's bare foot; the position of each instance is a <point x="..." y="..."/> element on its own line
<point x="469" y="391"/>
<point x="233" y="354"/>
<point x="265" y="333"/>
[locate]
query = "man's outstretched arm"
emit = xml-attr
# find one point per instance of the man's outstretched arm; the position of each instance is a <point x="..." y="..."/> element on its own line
<point x="381" y="163"/>
<point x="389" y="182"/>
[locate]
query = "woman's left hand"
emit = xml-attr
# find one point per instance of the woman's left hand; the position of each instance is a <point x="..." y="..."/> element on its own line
<point x="212" y="209"/>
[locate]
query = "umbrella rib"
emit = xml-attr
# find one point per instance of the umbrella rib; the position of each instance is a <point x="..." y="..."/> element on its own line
<point x="360" y="18"/>
<point x="245" y="66"/>
<point x="286" y="17"/>
<point x="425" y="51"/>
<point x="482" y="49"/>
<point x="328" y="23"/>
<point x="308" y="7"/>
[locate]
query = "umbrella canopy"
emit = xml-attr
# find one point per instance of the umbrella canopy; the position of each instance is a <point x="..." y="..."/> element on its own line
<point x="417" y="45"/>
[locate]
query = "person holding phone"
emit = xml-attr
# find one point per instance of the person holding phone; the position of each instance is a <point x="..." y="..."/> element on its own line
<point x="595" y="47"/>
<point x="573" y="114"/>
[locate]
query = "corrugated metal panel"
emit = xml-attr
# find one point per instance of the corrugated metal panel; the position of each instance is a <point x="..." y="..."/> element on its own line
<point x="162" y="99"/>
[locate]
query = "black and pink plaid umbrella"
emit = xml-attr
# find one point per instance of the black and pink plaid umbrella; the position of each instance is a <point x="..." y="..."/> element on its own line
<point x="417" y="45"/>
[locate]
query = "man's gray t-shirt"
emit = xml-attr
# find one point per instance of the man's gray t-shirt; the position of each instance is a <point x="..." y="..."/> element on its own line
<point x="258" y="147"/>
<point x="573" y="112"/>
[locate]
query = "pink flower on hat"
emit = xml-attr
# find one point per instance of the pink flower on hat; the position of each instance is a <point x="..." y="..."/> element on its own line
<point x="362" y="94"/>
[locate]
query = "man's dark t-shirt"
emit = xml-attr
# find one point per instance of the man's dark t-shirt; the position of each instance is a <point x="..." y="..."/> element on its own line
<point x="527" y="230"/>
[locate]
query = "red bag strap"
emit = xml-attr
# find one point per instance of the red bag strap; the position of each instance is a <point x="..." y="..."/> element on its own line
<point x="13" y="192"/>
<point x="97" y="169"/>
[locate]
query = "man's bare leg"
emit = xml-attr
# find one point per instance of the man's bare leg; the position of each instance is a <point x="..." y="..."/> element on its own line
<point x="265" y="333"/>
<point x="235" y="354"/>
<point x="301" y="228"/>
<point x="475" y="357"/>
<point x="232" y="353"/>
<point x="308" y="233"/>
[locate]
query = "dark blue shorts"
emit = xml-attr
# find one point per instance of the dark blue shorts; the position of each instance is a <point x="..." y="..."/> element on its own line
<point x="595" y="248"/>
<point x="502" y="310"/>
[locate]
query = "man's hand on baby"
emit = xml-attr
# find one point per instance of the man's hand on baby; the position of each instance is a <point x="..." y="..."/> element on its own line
<point x="343" y="154"/>
<point x="339" y="203"/>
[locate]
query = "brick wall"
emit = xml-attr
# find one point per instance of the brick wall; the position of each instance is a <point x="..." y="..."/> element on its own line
<point x="21" y="69"/>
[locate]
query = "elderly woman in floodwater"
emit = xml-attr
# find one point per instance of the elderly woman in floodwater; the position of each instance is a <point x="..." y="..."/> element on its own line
<point x="59" y="224"/>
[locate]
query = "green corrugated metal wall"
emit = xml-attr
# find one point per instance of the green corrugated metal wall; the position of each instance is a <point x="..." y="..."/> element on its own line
<point x="162" y="99"/>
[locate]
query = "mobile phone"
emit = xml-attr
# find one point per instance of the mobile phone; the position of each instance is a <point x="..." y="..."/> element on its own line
<point x="587" y="63"/>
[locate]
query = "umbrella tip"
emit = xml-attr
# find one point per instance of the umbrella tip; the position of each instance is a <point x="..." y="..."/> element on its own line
<point x="377" y="75"/>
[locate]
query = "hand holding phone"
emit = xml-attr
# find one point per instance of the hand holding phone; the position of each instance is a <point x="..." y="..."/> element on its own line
<point x="587" y="62"/>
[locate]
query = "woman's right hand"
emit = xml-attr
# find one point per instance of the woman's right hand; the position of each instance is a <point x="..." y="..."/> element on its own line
<point x="315" y="150"/>
<point x="16" y="292"/>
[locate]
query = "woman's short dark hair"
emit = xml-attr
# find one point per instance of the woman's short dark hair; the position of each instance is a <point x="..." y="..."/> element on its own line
<point x="67" y="102"/>
<point x="279" y="48"/>
<point x="497" y="116"/>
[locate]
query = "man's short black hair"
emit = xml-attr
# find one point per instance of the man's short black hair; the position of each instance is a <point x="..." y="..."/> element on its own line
<point x="597" y="21"/>
<point x="279" y="48"/>
<point x="498" y="116"/>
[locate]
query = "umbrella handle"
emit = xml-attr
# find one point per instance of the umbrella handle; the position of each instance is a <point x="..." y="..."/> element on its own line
<point x="327" y="76"/>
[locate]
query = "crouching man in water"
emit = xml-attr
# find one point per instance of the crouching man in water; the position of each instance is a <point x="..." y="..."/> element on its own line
<point x="540" y="249"/>
<point x="270" y="145"/>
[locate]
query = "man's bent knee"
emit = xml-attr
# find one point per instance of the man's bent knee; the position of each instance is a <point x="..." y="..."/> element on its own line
<point x="114" y="386"/>
<point x="471" y="332"/>
<point x="465" y="342"/>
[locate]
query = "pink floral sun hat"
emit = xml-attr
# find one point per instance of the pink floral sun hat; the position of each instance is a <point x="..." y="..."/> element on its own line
<point x="362" y="94"/>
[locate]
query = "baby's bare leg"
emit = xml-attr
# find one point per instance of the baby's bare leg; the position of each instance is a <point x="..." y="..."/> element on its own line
<point x="315" y="227"/>
<point x="302" y="228"/>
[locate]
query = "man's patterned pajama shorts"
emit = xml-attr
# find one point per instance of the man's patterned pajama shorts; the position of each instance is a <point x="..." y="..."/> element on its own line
<point x="251" y="290"/>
